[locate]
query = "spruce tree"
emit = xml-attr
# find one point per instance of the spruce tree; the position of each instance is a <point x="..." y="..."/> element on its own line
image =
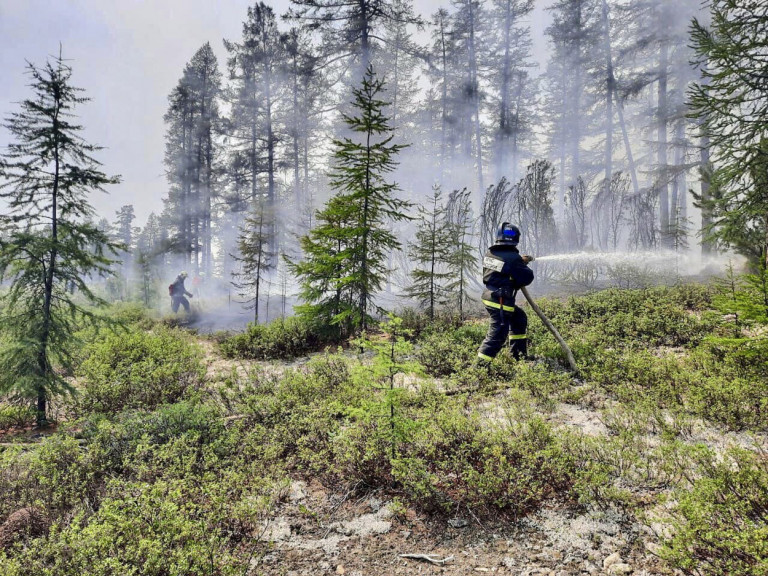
<point x="49" y="243"/>
<point x="430" y="251"/>
<point x="354" y="224"/>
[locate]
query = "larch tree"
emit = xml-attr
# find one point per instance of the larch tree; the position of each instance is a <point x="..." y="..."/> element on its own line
<point x="349" y="27"/>
<point x="48" y="241"/>
<point x="254" y="131"/>
<point x="255" y="256"/>
<point x="357" y="218"/>
<point x="430" y="250"/>
<point x="124" y="235"/>
<point x="462" y="260"/>
<point x="192" y="121"/>
<point x="573" y="35"/>
<point x="514" y="89"/>
<point x="731" y="103"/>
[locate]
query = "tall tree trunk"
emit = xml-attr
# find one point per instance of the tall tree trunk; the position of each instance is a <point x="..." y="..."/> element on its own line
<point x="609" y="89"/>
<point x="678" y="184"/>
<point x="443" y="103"/>
<point x="365" y="51"/>
<point x="295" y="135"/>
<point x="475" y="83"/>
<point x="504" y="112"/>
<point x="705" y="166"/>
<point x="661" y="150"/>
<point x="628" y="148"/>
<point x="576" y="110"/>
<point x="42" y="354"/>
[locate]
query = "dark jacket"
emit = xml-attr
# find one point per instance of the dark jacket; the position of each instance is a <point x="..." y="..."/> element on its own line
<point x="504" y="271"/>
<point x="177" y="288"/>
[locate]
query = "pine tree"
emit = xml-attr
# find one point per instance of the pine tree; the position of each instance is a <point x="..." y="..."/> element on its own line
<point x="48" y="242"/>
<point x="345" y="255"/>
<point x="430" y="250"/>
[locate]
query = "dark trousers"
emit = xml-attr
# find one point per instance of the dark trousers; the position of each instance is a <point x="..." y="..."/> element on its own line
<point x="510" y="324"/>
<point x="179" y="300"/>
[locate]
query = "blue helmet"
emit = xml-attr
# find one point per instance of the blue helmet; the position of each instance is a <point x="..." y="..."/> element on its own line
<point x="508" y="234"/>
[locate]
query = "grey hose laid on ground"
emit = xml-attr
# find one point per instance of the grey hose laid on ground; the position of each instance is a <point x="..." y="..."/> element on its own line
<point x="551" y="328"/>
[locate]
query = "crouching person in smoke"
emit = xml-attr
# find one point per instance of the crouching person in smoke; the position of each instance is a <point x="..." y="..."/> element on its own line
<point x="178" y="292"/>
<point x="505" y="271"/>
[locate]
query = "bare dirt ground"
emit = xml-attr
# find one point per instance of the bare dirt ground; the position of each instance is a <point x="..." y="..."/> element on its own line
<point x="314" y="533"/>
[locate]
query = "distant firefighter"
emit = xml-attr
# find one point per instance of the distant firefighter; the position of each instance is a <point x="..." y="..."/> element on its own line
<point x="177" y="292"/>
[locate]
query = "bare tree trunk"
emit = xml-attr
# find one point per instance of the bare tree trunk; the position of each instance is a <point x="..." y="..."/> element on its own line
<point x="609" y="88"/>
<point x="476" y="93"/>
<point x="661" y="150"/>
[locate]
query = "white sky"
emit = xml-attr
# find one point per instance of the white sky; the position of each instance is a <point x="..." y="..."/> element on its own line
<point x="128" y="55"/>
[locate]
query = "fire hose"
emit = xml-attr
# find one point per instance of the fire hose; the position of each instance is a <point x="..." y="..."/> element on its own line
<point x="550" y="326"/>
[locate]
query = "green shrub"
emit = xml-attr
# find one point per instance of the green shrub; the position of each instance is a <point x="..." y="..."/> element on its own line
<point x="15" y="415"/>
<point x="131" y="313"/>
<point x="166" y="527"/>
<point x="137" y="369"/>
<point x="455" y="460"/>
<point x="126" y="443"/>
<point x="445" y="352"/>
<point x="416" y="322"/>
<point x="720" y="523"/>
<point x="57" y="475"/>
<point x="281" y="339"/>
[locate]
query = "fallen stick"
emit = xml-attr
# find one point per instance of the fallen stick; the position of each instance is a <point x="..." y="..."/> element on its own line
<point x="551" y="328"/>
<point x="428" y="558"/>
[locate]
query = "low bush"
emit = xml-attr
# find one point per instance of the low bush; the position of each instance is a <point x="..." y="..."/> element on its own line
<point x="444" y="353"/>
<point x="155" y="529"/>
<point x="279" y="340"/>
<point x="456" y="461"/>
<point x="15" y="415"/>
<point x="138" y="369"/>
<point x="720" y="523"/>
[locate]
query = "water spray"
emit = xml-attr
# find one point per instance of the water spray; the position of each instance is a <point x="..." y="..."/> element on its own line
<point x="549" y="325"/>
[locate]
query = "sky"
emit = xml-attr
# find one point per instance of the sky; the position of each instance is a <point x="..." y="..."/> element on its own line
<point x="128" y="55"/>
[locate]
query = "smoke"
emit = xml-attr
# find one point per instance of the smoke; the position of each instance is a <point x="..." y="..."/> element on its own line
<point x="602" y="185"/>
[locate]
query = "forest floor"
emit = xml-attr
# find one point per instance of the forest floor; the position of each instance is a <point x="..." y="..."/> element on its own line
<point x="316" y="531"/>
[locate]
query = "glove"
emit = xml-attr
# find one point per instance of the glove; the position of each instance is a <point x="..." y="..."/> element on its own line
<point x="528" y="259"/>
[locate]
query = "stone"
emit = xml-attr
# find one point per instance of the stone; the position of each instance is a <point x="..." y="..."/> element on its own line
<point x="340" y="569"/>
<point x="590" y="568"/>
<point x="609" y="561"/>
<point x="620" y="568"/>
<point x="458" y="522"/>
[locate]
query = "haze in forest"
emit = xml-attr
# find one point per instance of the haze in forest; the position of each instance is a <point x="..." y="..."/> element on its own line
<point x="128" y="56"/>
<point x="570" y="118"/>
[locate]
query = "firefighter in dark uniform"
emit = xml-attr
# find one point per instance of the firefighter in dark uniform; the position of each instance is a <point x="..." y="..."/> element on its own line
<point x="504" y="272"/>
<point x="177" y="292"/>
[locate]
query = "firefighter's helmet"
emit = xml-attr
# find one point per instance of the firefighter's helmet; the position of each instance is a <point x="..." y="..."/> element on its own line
<point x="508" y="234"/>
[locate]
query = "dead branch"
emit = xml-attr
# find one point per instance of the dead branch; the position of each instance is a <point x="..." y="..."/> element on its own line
<point x="428" y="558"/>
